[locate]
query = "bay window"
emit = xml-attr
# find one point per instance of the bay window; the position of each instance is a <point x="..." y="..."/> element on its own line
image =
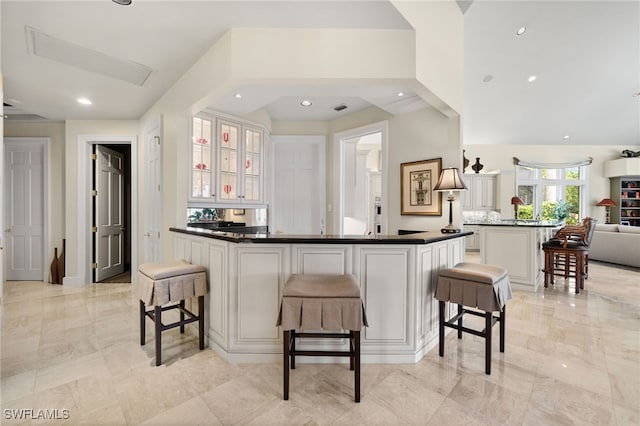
<point x="552" y="191"/>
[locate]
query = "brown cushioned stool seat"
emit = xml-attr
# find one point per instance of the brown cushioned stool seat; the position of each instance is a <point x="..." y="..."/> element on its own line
<point x="321" y="302"/>
<point x="167" y="282"/>
<point x="485" y="287"/>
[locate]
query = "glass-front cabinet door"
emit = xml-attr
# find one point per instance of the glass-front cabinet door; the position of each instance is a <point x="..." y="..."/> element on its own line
<point x="252" y="165"/>
<point x="228" y="135"/>
<point x="202" y="151"/>
<point x="241" y="157"/>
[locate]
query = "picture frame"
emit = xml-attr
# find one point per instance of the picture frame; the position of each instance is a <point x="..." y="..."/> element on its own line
<point x="417" y="180"/>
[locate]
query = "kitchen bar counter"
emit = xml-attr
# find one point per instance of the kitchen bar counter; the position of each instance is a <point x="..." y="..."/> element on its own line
<point x="246" y="273"/>
<point x="517" y="247"/>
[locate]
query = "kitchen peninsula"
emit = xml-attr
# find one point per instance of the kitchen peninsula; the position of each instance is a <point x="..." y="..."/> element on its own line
<point x="516" y="245"/>
<point x="246" y="273"/>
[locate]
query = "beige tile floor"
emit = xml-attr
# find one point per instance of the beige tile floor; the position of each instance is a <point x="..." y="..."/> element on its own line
<point x="570" y="360"/>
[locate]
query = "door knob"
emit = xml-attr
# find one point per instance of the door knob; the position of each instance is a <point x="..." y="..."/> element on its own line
<point x="147" y="234"/>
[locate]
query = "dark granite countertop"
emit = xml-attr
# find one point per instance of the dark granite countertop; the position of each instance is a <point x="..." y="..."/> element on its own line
<point x="419" y="238"/>
<point x="523" y="223"/>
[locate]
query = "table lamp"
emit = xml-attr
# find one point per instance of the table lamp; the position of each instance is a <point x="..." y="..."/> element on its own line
<point x="450" y="180"/>
<point x="608" y="203"/>
<point x="516" y="201"/>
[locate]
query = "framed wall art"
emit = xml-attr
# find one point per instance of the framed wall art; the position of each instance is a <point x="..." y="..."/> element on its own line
<point x="417" y="180"/>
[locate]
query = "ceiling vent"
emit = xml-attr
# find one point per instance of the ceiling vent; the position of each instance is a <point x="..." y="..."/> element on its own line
<point x="340" y="107"/>
<point x="46" y="46"/>
<point x="12" y="113"/>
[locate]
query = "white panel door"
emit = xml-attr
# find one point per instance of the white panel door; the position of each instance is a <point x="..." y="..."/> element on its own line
<point x="298" y="190"/>
<point x="109" y="209"/>
<point x="153" y="200"/>
<point x="24" y="210"/>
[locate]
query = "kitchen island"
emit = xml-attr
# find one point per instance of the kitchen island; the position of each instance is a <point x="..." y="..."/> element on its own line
<point x="516" y="245"/>
<point x="246" y="273"/>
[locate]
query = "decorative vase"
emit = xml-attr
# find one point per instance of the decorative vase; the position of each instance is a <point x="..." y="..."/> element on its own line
<point x="465" y="162"/>
<point x="477" y="166"/>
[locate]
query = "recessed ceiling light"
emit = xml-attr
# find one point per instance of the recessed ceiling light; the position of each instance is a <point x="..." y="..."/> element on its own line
<point x="123" y="2"/>
<point x="400" y="94"/>
<point x="306" y="103"/>
<point x="635" y="95"/>
<point x="238" y="95"/>
<point x="84" y="101"/>
<point x="565" y="137"/>
<point x="532" y="79"/>
<point x="487" y="78"/>
<point x="521" y="31"/>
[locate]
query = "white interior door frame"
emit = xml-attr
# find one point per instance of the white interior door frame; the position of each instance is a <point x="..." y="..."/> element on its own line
<point x="83" y="230"/>
<point x="339" y="139"/>
<point x="45" y="142"/>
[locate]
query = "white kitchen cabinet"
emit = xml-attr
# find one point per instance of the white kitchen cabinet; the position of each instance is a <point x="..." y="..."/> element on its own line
<point x="481" y="194"/>
<point x="226" y="167"/>
<point x="472" y="242"/>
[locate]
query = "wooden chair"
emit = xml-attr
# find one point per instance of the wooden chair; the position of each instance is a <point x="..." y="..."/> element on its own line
<point x="567" y="253"/>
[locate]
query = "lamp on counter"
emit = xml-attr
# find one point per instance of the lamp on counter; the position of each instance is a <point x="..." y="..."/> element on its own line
<point x="608" y="203"/>
<point x="516" y="201"/>
<point x="449" y="180"/>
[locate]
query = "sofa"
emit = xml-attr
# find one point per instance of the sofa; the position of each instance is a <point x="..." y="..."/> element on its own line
<point x="616" y="244"/>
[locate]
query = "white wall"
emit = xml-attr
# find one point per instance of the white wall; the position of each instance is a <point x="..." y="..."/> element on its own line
<point x="500" y="158"/>
<point x="416" y="136"/>
<point x="439" y="42"/>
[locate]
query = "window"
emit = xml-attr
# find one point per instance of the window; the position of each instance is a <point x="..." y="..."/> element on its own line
<point x="549" y="192"/>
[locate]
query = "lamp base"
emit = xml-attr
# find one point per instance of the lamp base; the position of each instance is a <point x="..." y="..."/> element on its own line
<point x="449" y="229"/>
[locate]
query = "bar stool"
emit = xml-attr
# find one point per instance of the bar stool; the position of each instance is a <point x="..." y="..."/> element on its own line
<point x="567" y="253"/>
<point x="169" y="282"/>
<point x="321" y="302"/>
<point x="484" y="287"/>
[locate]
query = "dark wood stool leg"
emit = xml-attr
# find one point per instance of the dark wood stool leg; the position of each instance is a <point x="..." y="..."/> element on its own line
<point x="142" y="322"/>
<point x="503" y="316"/>
<point x="157" y="319"/>
<point x="352" y="358"/>
<point x="586" y="266"/>
<point x="285" y="361"/>
<point x="356" y="344"/>
<point x="579" y="272"/>
<point x="441" y="328"/>
<point x="460" y="322"/>
<point x="292" y="342"/>
<point x="547" y="268"/>
<point x="201" y="321"/>
<point x="182" y="316"/>
<point x="487" y="349"/>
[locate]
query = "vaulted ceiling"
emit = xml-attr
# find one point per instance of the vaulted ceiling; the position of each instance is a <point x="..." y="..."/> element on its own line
<point x="585" y="56"/>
